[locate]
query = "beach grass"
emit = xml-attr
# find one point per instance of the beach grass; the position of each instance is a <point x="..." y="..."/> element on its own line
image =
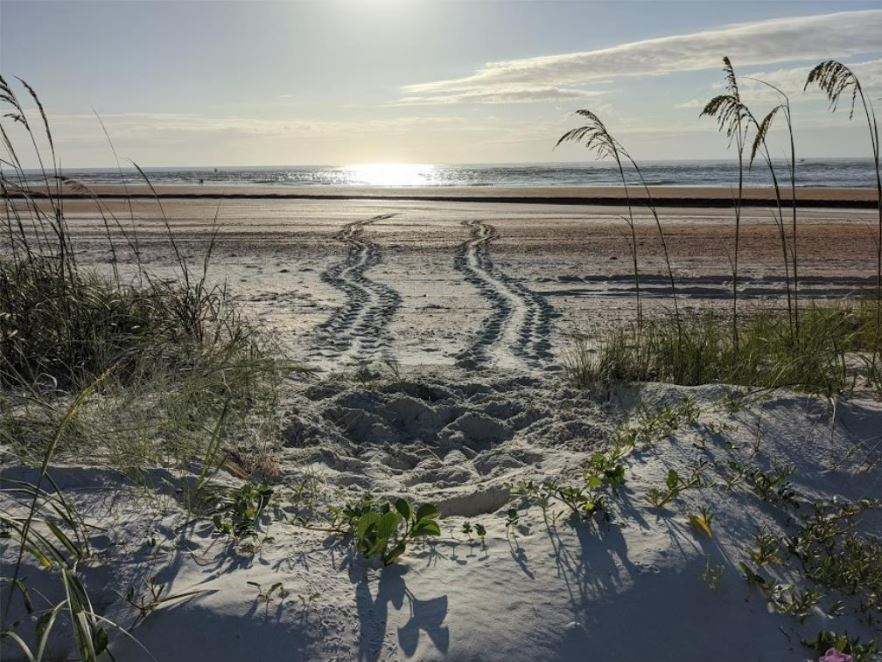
<point x="835" y="351"/>
<point x="139" y="371"/>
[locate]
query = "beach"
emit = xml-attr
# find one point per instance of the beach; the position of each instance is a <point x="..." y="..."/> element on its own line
<point x="425" y="346"/>
<point x="514" y="331"/>
<point x="432" y="281"/>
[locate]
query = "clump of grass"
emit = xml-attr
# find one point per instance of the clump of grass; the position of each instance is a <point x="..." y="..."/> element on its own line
<point x="51" y="533"/>
<point x="177" y="355"/>
<point x="836" y="79"/>
<point x="829" y="355"/>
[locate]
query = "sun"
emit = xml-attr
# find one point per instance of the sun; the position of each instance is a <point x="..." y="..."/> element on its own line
<point x="390" y="174"/>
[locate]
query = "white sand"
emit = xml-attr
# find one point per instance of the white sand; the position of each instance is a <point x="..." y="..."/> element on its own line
<point x="476" y="304"/>
<point x="628" y="590"/>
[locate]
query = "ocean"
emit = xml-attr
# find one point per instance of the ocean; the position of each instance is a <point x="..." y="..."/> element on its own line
<point x="810" y="172"/>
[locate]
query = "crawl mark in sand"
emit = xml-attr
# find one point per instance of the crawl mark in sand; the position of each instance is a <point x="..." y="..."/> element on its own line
<point x="357" y="331"/>
<point x="520" y="321"/>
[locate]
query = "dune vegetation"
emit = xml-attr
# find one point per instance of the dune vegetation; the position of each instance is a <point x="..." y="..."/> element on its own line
<point x="557" y="490"/>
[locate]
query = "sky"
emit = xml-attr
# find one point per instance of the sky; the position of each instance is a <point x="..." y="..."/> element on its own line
<point x="253" y="82"/>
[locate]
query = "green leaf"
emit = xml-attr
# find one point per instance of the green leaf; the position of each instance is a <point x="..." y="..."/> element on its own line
<point x="388" y="524"/>
<point x="426" y="527"/>
<point x="365" y="522"/>
<point x="404" y="507"/>
<point x="377" y="547"/>
<point x="394" y="554"/>
<point x="673" y="479"/>
<point x="427" y="510"/>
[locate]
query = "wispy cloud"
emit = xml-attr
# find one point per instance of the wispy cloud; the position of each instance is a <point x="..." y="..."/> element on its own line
<point x="165" y="124"/>
<point x="762" y="42"/>
<point x="791" y="80"/>
<point x="501" y="94"/>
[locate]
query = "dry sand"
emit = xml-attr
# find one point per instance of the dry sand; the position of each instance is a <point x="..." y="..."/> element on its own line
<point x="436" y="283"/>
<point x="637" y="588"/>
<point x="477" y="302"/>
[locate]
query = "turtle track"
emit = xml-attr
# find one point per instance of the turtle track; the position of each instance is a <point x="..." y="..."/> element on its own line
<point x="520" y="320"/>
<point x="358" y="329"/>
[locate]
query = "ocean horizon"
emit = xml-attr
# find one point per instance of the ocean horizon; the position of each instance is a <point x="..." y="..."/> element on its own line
<point x="831" y="172"/>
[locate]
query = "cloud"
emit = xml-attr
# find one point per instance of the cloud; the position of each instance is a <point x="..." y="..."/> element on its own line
<point x="761" y="42"/>
<point x="122" y="125"/>
<point x="791" y="81"/>
<point x="501" y="94"/>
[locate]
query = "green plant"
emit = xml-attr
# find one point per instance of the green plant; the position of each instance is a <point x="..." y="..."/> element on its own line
<point x="675" y="485"/>
<point x="308" y="600"/>
<point x="733" y="474"/>
<point x="773" y="486"/>
<point x="383" y="529"/>
<point x="584" y="499"/>
<point x="827" y="639"/>
<point x="468" y="528"/>
<point x="605" y="469"/>
<point x="238" y="512"/>
<point x="766" y="551"/>
<point x="787" y="599"/>
<point x="835" y="556"/>
<point x="512" y="518"/>
<point x="266" y="595"/>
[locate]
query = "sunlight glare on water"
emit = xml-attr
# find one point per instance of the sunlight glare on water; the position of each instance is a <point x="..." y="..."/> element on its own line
<point x="390" y="174"/>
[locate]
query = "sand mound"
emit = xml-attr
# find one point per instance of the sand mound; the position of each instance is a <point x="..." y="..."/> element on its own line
<point x="645" y="585"/>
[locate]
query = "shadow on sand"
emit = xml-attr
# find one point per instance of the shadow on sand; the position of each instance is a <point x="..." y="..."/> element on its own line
<point x="373" y="614"/>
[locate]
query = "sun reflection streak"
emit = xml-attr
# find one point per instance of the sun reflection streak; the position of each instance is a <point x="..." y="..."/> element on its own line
<point x="390" y="174"/>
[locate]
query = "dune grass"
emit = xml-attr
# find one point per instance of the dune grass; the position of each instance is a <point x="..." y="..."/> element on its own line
<point x="174" y="355"/>
<point x="835" y="351"/>
<point x="129" y="372"/>
<point x="823" y="348"/>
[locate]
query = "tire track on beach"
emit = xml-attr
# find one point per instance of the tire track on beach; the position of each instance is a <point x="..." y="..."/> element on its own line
<point x="519" y="324"/>
<point x="357" y="331"/>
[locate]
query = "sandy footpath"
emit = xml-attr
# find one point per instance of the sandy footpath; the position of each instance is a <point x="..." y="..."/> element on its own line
<point x="474" y="283"/>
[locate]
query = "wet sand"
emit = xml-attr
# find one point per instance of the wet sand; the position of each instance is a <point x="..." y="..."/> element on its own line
<point x="665" y="196"/>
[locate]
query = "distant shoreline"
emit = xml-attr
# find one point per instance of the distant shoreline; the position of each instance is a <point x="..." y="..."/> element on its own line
<point x="662" y="196"/>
